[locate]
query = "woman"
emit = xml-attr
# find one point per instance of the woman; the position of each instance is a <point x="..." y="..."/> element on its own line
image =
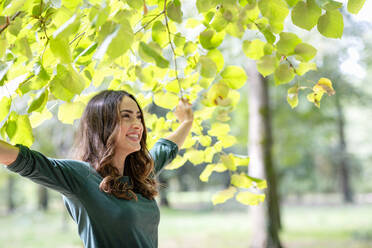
<point x="109" y="190"/>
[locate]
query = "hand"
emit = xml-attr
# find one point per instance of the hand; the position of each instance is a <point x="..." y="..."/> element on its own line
<point x="183" y="111"/>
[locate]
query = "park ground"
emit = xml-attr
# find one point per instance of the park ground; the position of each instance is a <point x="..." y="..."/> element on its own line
<point x="306" y="225"/>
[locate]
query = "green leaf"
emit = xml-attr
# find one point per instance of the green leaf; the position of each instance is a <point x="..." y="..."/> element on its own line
<point x="284" y="74"/>
<point x="209" y="39"/>
<point x="122" y="41"/>
<point x="218" y="92"/>
<point x="292" y="3"/>
<point x="241" y="180"/>
<point x="254" y="49"/>
<point x="71" y="26"/>
<point x="354" y="6"/>
<point x="306" y="15"/>
<point x="61" y="49"/>
<point x="39" y="102"/>
<point x="66" y="83"/>
<point x="5" y="104"/>
<point x="68" y="112"/>
<point x="19" y="130"/>
<point x="3" y="46"/>
<point x="152" y="53"/>
<point x="287" y="43"/>
<point x="234" y="76"/>
<point x="135" y="4"/>
<point x="265" y="30"/>
<point x="305" y="67"/>
<point x="159" y="33"/>
<point x="292" y="97"/>
<point x="249" y="198"/>
<point x="173" y="87"/>
<point x="267" y="64"/>
<point x="174" y="11"/>
<point x="204" y="176"/>
<point x="228" y="162"/>
<point x="305" y="51"/>
<point x="208" y="68"/>
<point x="331" y="24"/>
<point x="37" y="118"/>
<point x="217" y="58"/>
<point x="205" y="5"/>
<point x="329" y="4"/>
<point x="275" y="11"/>
<point x="189" y="48"/>
<point x="4" y="67"/>
<point x="223" y="195"/>
<point x="166" y="100"/>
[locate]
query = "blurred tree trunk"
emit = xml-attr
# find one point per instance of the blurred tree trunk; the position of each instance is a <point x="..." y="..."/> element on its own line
<point x="344" y="161"/>
<point x="10" y="194"/>
<point x="266" y="216"/>
<point x="163" y="190"/>
<point x="43" y="198"/>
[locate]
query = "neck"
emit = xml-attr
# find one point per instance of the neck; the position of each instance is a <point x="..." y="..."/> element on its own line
<point x="118" y="162"/>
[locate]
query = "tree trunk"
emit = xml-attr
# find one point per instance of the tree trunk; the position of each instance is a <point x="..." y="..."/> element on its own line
<point x="10" y="194"/>
<point x="43" y="198"/>
<point x="344" y="161"/>
<point x="163" y="191"/>
<point x="266" y="216"/>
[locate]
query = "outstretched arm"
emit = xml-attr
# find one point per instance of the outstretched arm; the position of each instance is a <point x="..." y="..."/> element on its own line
<point x="8" y="153"/>
<point x="185" y="116"/>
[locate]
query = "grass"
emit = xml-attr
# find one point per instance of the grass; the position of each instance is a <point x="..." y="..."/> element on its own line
<point x="335" y="226"/>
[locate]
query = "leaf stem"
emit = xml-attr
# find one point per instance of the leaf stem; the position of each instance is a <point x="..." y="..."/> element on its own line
<point x="171" y="44"/>
<point x="8" y="20"/>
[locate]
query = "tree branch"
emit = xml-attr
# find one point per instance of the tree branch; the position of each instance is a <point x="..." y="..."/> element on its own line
<point x="8" y="20"/>
<point x="171" y="44"/>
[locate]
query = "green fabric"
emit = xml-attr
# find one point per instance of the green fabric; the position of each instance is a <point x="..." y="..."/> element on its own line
<point x="103" y="220"/>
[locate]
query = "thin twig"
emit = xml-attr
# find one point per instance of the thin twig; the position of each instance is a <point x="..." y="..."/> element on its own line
<point x="8" y="20"/>
<point x="144" y="26"/>
<point x="76" y="37"/>
<point x="171" y="44"/>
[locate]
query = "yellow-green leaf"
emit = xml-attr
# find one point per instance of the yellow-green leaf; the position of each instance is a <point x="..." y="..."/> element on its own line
<point x="19" y="130"/>
<point x="254" y="49"/>
<point x="37" y="118"/>
<point x="224" y="195"/>
<point x="249" y="198"/>
<point x="234" y="76"/>
<point x="324" y="85"/>
<point x="331" y="24"/>
<point x="267" y="65"/>
<point x="209" y="39"/>
<point x="284" y="74"/>
<point x="68" y="112"/>
<point x="4" y="107"/>
<point x="287" y="43"/>
<point x="241" y="180"/>
<point x="306" y="14"/>
<point x="354" y="6"/>
<point x="292" y="97"/>
<point x="166" y="100"/>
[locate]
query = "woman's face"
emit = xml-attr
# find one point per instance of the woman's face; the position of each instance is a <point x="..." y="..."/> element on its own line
<point x="131" y="127"/>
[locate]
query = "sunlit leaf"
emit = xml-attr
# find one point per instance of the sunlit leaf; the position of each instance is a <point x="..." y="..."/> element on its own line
<point x="68" y="112"/>
<point x="306" y="14"/>
<point x="241" y="180"/>
<point x="331" y="24"/>
<point x="354" y="6"/>
<point x="166" y="100"/>
<point x="20" y="130"/>
<point x="287" y="43"/>
<point x="305" y="51"/>
<point x="209" y="39"/>
<point x="234" y="76"/>
<point x="254" y="49"/>
<point x="249" y="198"/>
<point x="5" y="103"/>
<point x="223" y="195"/>
<point x="267" y="64"/>
<point x="284" y="74"/>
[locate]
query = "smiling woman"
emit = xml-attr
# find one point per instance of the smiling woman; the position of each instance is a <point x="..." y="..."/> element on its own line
<point x="109" y="189"/>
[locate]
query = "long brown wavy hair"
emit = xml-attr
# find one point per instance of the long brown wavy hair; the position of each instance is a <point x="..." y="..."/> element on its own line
<point x="95" y="144"/>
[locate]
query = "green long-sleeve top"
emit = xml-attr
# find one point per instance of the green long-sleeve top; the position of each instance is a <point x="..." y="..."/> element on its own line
<point x="103" y="220"/>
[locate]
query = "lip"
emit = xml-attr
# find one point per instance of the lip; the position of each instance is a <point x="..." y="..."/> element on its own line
<point x="134" y="139"/>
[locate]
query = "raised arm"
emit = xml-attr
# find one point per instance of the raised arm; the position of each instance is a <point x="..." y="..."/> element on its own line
<point x="185" y="116"/>
<point x="8" y="153"/>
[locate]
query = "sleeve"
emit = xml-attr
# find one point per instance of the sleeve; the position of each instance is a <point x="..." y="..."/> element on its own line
<point x="56" y="174"/>
<point x="163" y="152"/>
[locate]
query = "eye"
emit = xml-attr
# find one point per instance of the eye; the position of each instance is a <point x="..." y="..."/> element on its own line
<point x="125" y="116"/>
<point x="139" y="117"/>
